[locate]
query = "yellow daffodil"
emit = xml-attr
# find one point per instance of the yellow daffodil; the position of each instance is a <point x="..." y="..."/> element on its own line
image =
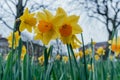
<point x="88" y="51"/>
<point x="75" y="42"/>
<point x="90" y="67"/>
<point x="41" y="59"/>
<point x="97" y="57"/>
<point x="16" y="39"/>
<point x="81" y="54"/>
<point x="65" y="59"/>
<point x="45" y="30"/>
<point x="23" y="52"/>
<point x="100" y="51"/>
<point x="115" y="45"/>
<point x="76" y="55"/>
<point x="28" y="21"/>
<point x="69" y="27"/>
<point x="58" y="57"/>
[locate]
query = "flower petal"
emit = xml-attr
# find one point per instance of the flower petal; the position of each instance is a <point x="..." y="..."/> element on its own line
<point x="76" y="29"/>
<point x="38" y="36"/>
<point x="49" y="36"/>
<point x="41" y="16"/>
<point x="61" y="11"/>
<point x="58" y="20"/>
<point x="48" y="15"/>
<point x="66" y="40"/>
<point x="22" y="26"/>
<point x="29" y="28"/>
<point x="72" y="19"/>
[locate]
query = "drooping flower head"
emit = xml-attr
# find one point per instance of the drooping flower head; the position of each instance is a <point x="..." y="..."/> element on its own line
<point x="75" y="42"/>
<point x="16" y="39"/>
<point x="115" y="45"/>
<point x="45" y="30"/>
<point x="28" y="21"/>
<point x="69" y="27"/>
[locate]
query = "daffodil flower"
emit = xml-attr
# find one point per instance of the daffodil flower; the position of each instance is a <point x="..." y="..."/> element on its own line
<point x="16" y="39"/>
<point x="115" y="45"/>
<point x="46" y="30"/>
<point x="69" y="27"/>
<point x="28" y="21"/>
<point x="41" y="59"/>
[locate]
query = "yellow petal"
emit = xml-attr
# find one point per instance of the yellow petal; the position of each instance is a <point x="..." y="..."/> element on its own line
<point x="66" y="40"/>
<point x="26" y="11"/>
<point x="38" y="36"/>
<point x="58" y="20"/>
<point x="28" y="27"/>
<point x="61" y="11"/>
<point x="49" y="36"/>
<point x="25" y="14"/>
<point x="22" y="26"/>
<point x="76" y="29"/>
<point x="77" y="40"/>
<point x="72" y="19"/>
<point x="48" y="15"/>
<point x="41" y="16"/>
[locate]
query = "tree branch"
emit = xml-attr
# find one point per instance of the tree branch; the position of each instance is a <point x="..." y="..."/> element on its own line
<point x="118" y="24"/>
<point x="6" y="24"/>
<point x="12" y="2"/>
<point x="25" y="3"/>
<point x="98" y="8"/>
<point x="10" y="8"/>
<point x="109" y="31"/>
<point x="97" y="18"/>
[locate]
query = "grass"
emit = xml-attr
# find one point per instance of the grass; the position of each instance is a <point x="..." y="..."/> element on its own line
<point x="57" y="69"/>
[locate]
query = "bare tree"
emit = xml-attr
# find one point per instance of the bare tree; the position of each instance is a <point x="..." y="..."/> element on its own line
<point x="106" y="11"/>
<point x="13" y="9"/>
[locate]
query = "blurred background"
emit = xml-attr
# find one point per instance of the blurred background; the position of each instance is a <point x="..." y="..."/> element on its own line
<point x="98" y="18"/>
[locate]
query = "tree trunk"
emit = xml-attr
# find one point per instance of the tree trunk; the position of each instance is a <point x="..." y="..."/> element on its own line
<point x="19" y="12"/>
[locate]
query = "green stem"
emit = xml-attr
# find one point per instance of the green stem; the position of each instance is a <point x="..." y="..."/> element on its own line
<point x="85" y="66"/>
<point x="76" y="64"/>
<point x="72" y="75"/>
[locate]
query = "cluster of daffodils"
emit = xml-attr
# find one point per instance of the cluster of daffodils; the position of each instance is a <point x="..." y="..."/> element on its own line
<point x="48" y="27"/>
<point x="99" y="53"/>
<point x="57" y="57"/>
<point x="13" y="40"/>
<point x="78" y="55"/>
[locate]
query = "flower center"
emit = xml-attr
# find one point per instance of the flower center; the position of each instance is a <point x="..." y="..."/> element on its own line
<point x="65" y="30"/>
<point x="44" y="26"/>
